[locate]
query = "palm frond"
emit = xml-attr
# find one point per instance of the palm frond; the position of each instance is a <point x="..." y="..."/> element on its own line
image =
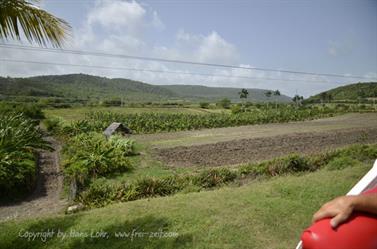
<point x="37" y="25"/>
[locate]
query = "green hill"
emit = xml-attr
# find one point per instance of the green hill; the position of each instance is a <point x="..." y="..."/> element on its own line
<point x="352" y="92"/>
<point x="82" y="86"/>
<point x="88" y="87"/>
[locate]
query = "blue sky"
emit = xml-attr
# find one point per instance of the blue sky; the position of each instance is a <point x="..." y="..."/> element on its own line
<point x="338" y="36"/>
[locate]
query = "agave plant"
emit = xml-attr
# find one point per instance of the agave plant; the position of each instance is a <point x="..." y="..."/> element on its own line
<point x="18" y="133"/>
<point x="18" y="141"/>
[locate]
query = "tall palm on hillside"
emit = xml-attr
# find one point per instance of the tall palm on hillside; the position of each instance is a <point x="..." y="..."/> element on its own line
<point x="37" y="25"/>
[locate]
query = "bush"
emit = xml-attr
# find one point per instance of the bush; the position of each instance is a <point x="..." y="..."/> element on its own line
<point x="291" y="164"/>
<point x="91" y="155"/>
<point x="341" y="163"/>
<point x="122" y="144"/>
<point x="214" y="177"/>
<point x="204" y="105"/>
<point x="236" y="109"/>
<point x="99" y="194"/>
<point x="53" y="124"/>
<point x="224" y="103"/>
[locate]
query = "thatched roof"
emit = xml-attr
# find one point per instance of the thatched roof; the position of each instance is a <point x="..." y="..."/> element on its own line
<point x="116" y="127"/>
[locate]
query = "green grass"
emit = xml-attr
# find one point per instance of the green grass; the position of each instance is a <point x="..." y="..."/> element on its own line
<point x="265" y="214"/>
<point x="77" y="113"/>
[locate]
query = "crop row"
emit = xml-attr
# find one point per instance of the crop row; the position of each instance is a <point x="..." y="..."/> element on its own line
<point x="167" y="122"/>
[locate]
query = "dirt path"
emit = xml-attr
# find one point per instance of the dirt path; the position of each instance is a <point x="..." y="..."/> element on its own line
<point x="206" y="136"/>
<point x="46" y="198"/>
<point x="263" y="148"/>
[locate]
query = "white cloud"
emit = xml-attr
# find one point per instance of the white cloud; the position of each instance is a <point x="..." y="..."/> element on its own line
<point x="343" y="48"/>
<point x="215" y="49"/>
<point x="117" y="14"/>
<point x="211" y="48"/>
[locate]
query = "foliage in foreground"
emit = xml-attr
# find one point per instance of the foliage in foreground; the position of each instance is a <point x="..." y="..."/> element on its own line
<point x="19" y="140"/>
<point x="101" y="193"/>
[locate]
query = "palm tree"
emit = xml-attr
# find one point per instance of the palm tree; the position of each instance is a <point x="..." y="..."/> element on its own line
<point x="276" y="93"/>
<point x="243" y="95"/>
<point x="37" y="25"/>
<point x="268" y="95"/>
<point x="298" y="99"/>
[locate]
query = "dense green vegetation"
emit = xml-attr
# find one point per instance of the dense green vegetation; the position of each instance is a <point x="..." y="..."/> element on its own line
<point x="193" y="92"/>
<point x="261" y="214"/>
<point x="29" y="110"/>
<point x="102" y="192"/>
<point x="359" y="92"/>
<point x="91" y="155"/>
<point x="64" y="90"/>
<point x="77" y="113"/>
<point x="19" y="140"/>
<point x="161" y="122"/>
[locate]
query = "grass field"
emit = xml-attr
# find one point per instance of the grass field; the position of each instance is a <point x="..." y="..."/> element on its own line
<point x="77" y="113"/>
<point x="265" y="214"/>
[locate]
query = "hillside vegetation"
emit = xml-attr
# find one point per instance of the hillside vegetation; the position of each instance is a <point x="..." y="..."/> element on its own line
<point x="76" y="87"/>
<point x="216" y="93"/>
<point x="353" y="92"/>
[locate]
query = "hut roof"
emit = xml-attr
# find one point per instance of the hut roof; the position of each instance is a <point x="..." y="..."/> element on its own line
<point x="116" y="127"/>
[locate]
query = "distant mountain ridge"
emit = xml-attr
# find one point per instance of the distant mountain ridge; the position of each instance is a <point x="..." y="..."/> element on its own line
<point x="351" y="92"/>
<point x="82" y="86"/>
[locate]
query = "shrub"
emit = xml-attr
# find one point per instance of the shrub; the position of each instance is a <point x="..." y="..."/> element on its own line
<point x="99" y="194"/>
<point x="341" y="163"/>
<point x="151" y="187"/>
<point x="236" y="109"/>
<point x="91" y="155"/>
<point x="214" y="177"/>
<point x="224" y="103"/>
<point x="204" y="105"/>
<point x="127" y="146"/>
<point x="53" y="124"/>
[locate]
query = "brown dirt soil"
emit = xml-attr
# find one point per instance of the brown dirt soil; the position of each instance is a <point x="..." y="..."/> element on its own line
<point x="262" y="148"/>
<point x="46" y="198"/>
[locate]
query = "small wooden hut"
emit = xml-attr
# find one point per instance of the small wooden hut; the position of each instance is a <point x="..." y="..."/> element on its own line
<point x="117" y="128"/>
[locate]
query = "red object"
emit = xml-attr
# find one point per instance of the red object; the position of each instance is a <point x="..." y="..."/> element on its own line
<point x="359" y="232"/>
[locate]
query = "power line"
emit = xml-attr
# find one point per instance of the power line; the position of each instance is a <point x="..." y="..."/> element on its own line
<point x="124" y="56"/>
<point x="155" y="71"/>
